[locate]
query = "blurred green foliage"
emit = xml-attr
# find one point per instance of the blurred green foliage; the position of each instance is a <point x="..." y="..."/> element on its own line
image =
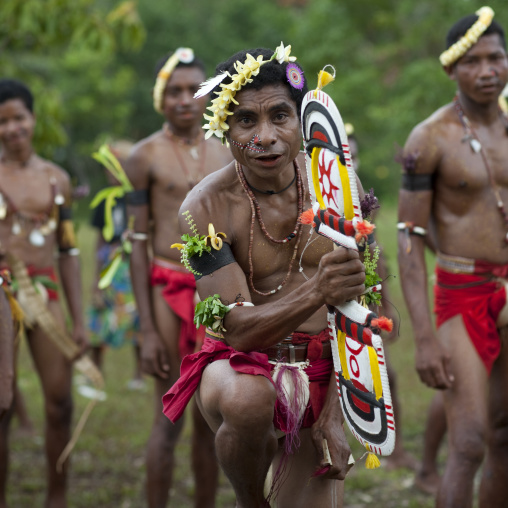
<point x="78" y="57"/>
<point x="65" y="50"/>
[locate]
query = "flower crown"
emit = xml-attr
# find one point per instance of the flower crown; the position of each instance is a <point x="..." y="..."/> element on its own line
<point x="459" y="49"/>
<point x="217" y="124"/>
<point x="183" y="55"/>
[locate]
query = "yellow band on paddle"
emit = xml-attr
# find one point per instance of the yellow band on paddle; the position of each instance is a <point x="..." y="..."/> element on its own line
<point x="341" y="343"/>
<point x="315" y="176"/>
<point x="374" y="369"/>
<point x="349" y="212"/>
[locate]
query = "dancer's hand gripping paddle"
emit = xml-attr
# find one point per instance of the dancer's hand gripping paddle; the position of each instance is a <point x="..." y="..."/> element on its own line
<point x="357" y="347"/>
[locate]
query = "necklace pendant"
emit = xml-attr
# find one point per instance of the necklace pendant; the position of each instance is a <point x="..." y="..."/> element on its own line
<point x="16" y="228"/>
<point x="475" y="145"/>
<point x="36" y="238"/>
<point x="45" y="229"/>
<point x="3" y="207"/>
<point x="194" y="153"/>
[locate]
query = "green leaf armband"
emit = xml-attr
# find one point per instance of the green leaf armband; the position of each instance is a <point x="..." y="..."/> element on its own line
<point x="210" y="313"/>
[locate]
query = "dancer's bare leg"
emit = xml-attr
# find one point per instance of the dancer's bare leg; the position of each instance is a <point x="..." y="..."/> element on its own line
<point x="466" y="416"/>
<point x="55" y="373"/>
<point x="494" y="485"/>
<point x="427" y="478"/>
<point x="204" y="461"/>
<point x="400" y="457"/>
<point x="239" y="408"/>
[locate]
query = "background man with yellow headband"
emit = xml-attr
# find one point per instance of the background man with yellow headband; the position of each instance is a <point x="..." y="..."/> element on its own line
<point x="163" y="168"/>
<point x="35" y="224"/>
<point x="455" y="184"/>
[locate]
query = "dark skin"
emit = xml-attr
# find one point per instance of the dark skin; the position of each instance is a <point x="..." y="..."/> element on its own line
<point x="155" y="163"/>
<point x="6" y="355"/>
<point x="25" y="178"/>
<point x="238" y="405"/>
<point x="462" y="202"/>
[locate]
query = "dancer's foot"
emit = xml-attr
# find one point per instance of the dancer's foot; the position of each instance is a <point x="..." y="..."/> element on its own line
<point x="428" y="483"/>
<point x="401" y="460"/>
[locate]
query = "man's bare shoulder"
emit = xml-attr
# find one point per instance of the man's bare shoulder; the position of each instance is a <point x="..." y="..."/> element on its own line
<point x="57" y="172"/>
<point x="141" y="160"/>
<point x="428" y="140"/>
<point x="216" y="146"/>
<point x="213" y="198"/>
<point x="144" y="148"/>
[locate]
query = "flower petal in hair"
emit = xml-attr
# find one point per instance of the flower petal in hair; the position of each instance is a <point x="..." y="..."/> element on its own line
<point x="282" y="54"/>
<point x="207" y="86"/>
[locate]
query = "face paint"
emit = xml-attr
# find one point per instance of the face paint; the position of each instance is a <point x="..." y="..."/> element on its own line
<point x="251" y="145"/>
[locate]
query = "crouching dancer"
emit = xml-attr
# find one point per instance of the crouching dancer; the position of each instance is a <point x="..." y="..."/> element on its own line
<point x="274" y="277"/>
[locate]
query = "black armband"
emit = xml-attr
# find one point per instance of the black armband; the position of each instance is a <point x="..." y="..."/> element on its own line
<point x="137" y="197"/>
<point x="64" y="213"/>
<point x="210" y="262"/>
<point x="412" y="182"/>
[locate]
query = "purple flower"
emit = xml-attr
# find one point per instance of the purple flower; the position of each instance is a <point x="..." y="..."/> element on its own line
<point x="408" y="162"/>
<point x="368" y="204"/>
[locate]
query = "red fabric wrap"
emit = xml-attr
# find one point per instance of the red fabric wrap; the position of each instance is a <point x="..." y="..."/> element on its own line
<point x="253" y="363"/>
<point x="478" y="305"/>
<point x="48" y="272"/>
<point x="179" y="290"/>
<point x="315" y="343"/>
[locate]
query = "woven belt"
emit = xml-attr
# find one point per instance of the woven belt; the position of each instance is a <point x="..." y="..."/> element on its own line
<point x="455" y="264"/>
<point x="293" y="353"/>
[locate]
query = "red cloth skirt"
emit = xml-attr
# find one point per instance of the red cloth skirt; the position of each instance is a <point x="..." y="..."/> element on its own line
<point x="49" y="273"/>
<point x="253" y="363"/>
<point x="479" y="305"/>
<point x="178" y="292"/>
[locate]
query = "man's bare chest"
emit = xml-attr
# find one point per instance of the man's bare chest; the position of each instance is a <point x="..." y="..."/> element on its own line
<point x="32" y="194"/>
<point x="474" y="167"/>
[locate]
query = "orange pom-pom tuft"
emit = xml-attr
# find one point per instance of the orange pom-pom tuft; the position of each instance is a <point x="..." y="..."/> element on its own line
<point x="383" y="323"/>
<point x="307" y="217"/>
<point x="365" y="228"/>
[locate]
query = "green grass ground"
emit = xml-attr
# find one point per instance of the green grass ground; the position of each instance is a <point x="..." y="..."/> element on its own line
<point x="107" y="468"/>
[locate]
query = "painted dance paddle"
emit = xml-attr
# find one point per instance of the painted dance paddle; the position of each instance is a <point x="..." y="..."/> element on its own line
<point x="357" y="347"/>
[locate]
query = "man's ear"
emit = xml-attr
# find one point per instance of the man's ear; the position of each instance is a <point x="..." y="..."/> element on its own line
<point x="450" y="71"/>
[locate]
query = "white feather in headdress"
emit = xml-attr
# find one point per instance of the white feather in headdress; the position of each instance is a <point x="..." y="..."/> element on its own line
<point x="207" y="86"/>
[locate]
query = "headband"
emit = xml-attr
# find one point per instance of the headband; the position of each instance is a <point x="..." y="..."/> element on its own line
<point x="217" y="124"/>
<point x="183" y="55"/>
<point x="459" y="49"/>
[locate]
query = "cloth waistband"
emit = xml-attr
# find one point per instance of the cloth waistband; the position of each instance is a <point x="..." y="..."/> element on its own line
<point x="169" y="263"/>
<point x="460" y="265"/>
<point x="294" y="348"/>
<point x="292" y="353"/>
<point x="455" y="264"/>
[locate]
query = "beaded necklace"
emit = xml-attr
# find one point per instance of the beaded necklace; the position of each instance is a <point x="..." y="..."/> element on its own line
<point x="256" y="212"/>
<point x="193" y="143"/>
<point x="472" y="137"/>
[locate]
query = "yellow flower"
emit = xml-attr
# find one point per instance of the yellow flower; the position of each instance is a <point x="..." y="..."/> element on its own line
<point x="178" y="246"/>
<point x="215" y="241"/>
